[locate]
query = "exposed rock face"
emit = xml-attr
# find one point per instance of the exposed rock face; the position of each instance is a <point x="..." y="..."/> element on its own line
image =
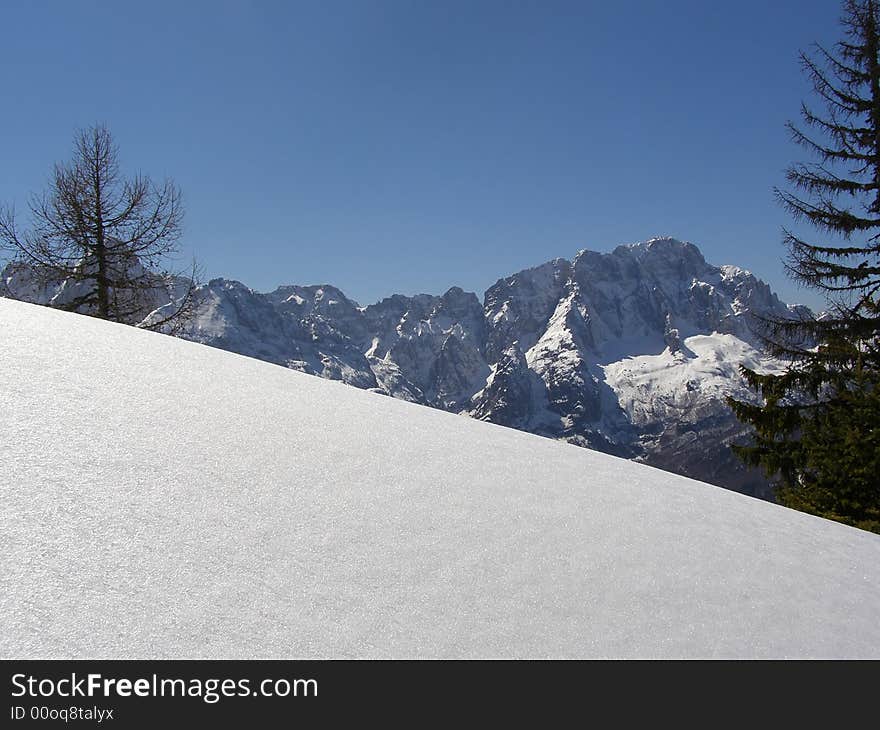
<point x="631" y="352"/>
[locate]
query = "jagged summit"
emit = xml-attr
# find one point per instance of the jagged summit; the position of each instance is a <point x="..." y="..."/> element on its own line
<point x="631" y="351"/>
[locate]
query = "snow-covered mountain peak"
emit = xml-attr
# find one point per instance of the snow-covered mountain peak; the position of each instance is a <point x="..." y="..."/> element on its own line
<point x="728" y="271"/>
<point x="599" y="350"/>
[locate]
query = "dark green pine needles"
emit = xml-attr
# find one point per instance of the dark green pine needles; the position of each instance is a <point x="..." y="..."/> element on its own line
<point x="817" y="431"/>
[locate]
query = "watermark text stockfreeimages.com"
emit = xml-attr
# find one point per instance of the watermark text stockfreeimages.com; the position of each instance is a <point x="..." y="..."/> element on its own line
<point x="209" y="690"/>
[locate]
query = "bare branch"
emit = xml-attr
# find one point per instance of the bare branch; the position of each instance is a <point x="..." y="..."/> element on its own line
<point x="104" y="232"/>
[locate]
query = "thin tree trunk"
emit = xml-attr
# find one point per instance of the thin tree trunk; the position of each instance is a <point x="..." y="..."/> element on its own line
<point x="100" y="244"/>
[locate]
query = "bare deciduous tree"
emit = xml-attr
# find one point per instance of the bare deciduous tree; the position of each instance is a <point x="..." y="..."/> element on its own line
<point x="104" y="240"/>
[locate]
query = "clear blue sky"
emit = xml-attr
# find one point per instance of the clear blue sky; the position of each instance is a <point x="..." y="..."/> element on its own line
<point x="412" y="145"/>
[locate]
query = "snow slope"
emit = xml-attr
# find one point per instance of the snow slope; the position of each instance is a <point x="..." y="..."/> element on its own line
<point x="161" y="498"/>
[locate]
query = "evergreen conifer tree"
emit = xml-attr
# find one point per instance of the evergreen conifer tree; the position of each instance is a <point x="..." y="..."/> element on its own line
<point x="817" y="431"/>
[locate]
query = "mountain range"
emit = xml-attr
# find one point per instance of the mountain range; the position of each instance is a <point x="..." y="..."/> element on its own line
<point x="631" y="352"/>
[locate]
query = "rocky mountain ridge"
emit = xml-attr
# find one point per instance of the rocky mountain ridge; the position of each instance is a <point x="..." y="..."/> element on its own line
<point x="631" y="352"/>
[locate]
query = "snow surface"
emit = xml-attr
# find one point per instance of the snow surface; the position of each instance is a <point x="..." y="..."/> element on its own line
<point x="161" y="498"/>
<point x="673" y="386"/>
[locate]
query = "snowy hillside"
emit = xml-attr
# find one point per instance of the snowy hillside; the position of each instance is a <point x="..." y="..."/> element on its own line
<point x="632" y="352"/>
<point x="161" y="498"/>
